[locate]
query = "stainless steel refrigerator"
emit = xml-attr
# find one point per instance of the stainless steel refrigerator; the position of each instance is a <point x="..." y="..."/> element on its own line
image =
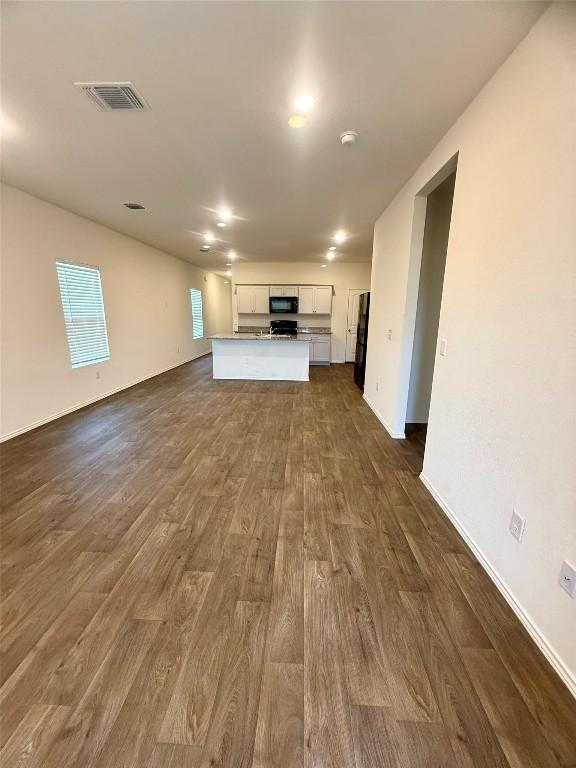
<point x="362" y="339"/>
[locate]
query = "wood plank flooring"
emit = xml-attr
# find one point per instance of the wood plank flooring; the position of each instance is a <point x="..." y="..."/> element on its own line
<point x="251" y="575"/>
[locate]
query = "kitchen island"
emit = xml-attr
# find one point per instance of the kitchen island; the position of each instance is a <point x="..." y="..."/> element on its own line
<point x="260" y="357"/>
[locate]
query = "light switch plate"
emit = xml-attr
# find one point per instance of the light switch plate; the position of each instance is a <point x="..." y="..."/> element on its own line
<point x="517" y="525"/>
<point x="568" y="578"/>
<point x="443" y="347"/>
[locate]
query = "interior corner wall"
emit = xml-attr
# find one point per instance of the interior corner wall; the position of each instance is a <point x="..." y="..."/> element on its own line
<point x="502" y="424"/>
<point x="146" y="299"/>
<point x="341" y="275"/>
<point x="434" y="248"/>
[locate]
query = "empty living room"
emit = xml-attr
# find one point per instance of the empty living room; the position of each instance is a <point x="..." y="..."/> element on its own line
<point x="288" y="384"/>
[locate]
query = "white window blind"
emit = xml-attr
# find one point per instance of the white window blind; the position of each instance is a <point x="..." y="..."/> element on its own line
<point x="197" y="319"/>
<point x="83" y="307"/>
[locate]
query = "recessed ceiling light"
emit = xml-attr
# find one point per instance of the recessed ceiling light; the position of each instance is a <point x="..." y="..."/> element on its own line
<point x="204" y="247"/>
<point x="228" y="263"/>
<point x="348" y="138"/>
<point x="221" y="224"/>
<point x="229" y="273"/>
<point x="304" y="102"/>
<point x="135" y="206"/>
<point x="209" y="237"/>
<point x="232" y="255"/>
<point x="225" y="215"/>
<point x="332" y="248"/>
<point x="339" y="236"/>
<point x="297" y="121"/>
<point x="330" y="255"/>
<point x="323" y="266"/>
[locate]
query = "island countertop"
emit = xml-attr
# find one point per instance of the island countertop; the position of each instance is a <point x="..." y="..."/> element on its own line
<point x="258" y="337"/>
<point x="255" y="356"/>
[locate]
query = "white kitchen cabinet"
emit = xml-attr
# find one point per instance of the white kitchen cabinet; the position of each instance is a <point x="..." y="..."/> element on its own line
<point x="323" y="300"/>
<point x="320" y="349"/>
<point x="283" y="290"/>
<point x="245" y="299"/>
<point x="315" y="300"/>
<point x="261" y="299"/>
<point x="312" y="299"/>
<point x="306" y="301"/>
<point x="252" y="299"/>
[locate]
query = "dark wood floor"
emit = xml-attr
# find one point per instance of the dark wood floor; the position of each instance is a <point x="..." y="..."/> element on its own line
<point x="245" y="574"/>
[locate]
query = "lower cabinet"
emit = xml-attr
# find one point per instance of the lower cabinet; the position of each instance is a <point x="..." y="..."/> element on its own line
<point x="320" y="350"/>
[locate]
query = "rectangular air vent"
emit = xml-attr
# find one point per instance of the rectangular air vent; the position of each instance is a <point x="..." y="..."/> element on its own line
<point x="110" y="97"/>
<point x="135" y="206"/>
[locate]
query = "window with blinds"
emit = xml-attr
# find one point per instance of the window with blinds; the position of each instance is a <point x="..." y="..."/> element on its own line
<point x="83" y="307"/>
<point x="197" y="319"/>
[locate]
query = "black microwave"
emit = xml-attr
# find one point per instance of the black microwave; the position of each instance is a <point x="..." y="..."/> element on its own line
<point x="287" y="305"/>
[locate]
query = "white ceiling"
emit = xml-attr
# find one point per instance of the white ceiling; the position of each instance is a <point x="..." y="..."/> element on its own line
<point x="219" y="77"/>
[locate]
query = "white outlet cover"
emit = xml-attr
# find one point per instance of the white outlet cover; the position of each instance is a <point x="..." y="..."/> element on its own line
<point x="517" y="525"/>
<point x="568" y="578"/>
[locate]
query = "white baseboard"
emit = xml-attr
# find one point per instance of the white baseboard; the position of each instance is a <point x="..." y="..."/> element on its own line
<point x="382" y="420"/>
<point x="568" y="678"/>
<point x="78" y="406"/>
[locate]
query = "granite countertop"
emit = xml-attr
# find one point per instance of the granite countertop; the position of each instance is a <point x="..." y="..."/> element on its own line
<point x="257" y="337"/>
<point x="245" y="329"/>
<point x="326" y="331"/>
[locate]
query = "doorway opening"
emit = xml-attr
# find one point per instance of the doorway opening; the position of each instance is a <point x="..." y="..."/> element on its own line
<point x="430" y="286"/>
<point x="354" y="295"/>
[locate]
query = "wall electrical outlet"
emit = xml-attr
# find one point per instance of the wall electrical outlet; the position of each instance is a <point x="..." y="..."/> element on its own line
<point x="376" y="386"/>
<point x="97" y="374"/>
<point x="443" y="347"/>
<point x="389" y="334"/>
<point x="568" y="578"/>
<point x="517" y="525"/>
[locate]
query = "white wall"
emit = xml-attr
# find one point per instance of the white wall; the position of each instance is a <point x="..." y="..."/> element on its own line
<point x="502" y="428"/>
<point x="146" y="297"/>
<point x="342" y="276"/>
<point x="437" y="227"/>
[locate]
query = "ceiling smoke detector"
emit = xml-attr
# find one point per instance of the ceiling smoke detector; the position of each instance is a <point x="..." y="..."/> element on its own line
<point x="113" y="97"/>
<point x="348" y="138"/>
<point x="204" y="247"/>
<point x="135" y="206"/>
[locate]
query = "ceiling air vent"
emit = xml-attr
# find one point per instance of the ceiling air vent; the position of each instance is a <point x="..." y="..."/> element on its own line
<point x="113" y="97"/>
<point x="135" y="206"/>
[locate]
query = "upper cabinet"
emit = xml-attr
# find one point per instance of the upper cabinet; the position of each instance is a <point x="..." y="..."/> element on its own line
<point x="306" y="300"/>
<point x="312" y="299"/>
<point x="283" y="290"/>
<point x="323" y="300"/>
<point x="261" y="299"/>
<point x="253" y="299"/>
<point x="315" y="300"/>
<point x="245" y="298"/>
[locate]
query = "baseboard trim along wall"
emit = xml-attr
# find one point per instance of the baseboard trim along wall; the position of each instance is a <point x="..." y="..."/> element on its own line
<point x="79" y="406"/>
<point x="382" y="420"/>
<point x="565" y="674"/>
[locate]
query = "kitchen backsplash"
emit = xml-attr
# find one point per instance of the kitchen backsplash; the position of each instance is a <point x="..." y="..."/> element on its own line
<point x="243" y="328"/>
<point x="263" y="321"/>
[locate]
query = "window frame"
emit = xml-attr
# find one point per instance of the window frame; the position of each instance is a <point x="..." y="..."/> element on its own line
<point x="194" y="319"/>
<point x="76" y="359"/>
